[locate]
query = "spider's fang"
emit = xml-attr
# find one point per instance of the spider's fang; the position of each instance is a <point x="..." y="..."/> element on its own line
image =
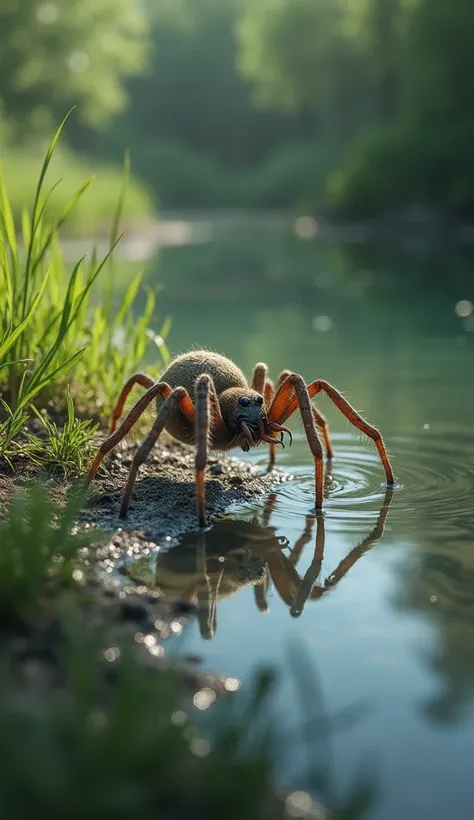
<point x="265" y="437"/>
<point x="278" y="428"/>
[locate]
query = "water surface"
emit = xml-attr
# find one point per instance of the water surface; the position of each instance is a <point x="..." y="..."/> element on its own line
<point x="391" y="626"/>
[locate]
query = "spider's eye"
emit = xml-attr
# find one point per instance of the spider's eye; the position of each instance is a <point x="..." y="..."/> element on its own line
<point x="259" y="400"/>
<point x="244" y="401"/>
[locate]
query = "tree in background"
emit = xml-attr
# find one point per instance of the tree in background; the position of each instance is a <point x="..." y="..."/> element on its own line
<point x="425" y="156"/>
<point x="339" y="58"/>
<point x="299" y="55"/>
<point x="192" y="94"/>
<point x="254" y="102"/>
<point x="441" y="61"/>
<point x="57" y="54"/>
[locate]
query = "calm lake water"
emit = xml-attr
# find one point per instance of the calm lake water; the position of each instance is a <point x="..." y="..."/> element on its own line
<point x="393" y="634"/>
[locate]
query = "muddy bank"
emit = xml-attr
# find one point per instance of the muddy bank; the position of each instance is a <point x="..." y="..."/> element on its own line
<point x="163" y="500"/>
<point x="163" y="504"/>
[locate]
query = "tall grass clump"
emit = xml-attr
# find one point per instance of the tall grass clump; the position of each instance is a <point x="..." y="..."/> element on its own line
<point x="51" y="319"/>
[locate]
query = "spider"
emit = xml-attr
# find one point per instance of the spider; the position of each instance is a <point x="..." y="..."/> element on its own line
<point x="204" y="399"/>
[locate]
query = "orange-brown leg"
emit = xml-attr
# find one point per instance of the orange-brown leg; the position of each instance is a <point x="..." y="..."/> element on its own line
<point x="322" y="423"/>
<point x="179" y="397"/>
<point x="318" y="416"/>
<point x="160" y="388"/>
<point x="137" y="378"/>
<point x="217" y="423"/>
<point x="268" y="400"/>
<point x="286" y="402"/>
<point x="203" y="389"/>
<point x="281" y="378"/>
<point x="268" y="394"/>
<point x="262" y="384"/>
<point x="293" y="389"/>
<point x="259" y="377"/>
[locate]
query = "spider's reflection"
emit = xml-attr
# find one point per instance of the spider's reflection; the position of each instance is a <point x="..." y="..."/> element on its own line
<point x="208" y="567"/>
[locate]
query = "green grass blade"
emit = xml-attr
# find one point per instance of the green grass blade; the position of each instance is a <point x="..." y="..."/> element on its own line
<point x="128" y="299"/>
<point x="34" y="215"/>
<point x="16" y="361"/>
<point x="45" y="166"/>
<point x="11" y="339"/>
<point x="73" y="201"/>
<point x="94" y="275"/>
<point x="46" y="200"/>
<point x="8" y="280"/>
<point x="50" y="377"/>
<point x="61" y="220"/>
<point x="25" y="227"/>
<point x="6" y="217"/>
<point x="62" y="330"/>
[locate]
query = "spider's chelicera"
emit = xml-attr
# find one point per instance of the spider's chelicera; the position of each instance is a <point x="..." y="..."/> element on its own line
<point x="252" y="424"/>
<point x="205" y="400"/>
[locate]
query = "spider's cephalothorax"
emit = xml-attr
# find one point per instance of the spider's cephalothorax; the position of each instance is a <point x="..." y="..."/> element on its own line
<point x="205" y="400"/>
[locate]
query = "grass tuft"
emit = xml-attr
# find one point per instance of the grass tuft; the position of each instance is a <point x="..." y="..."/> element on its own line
<point x="65" y="449"/>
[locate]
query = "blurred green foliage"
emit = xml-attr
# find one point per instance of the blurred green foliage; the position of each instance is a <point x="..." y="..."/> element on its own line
<point x="36" y="542"/>
<point x="67" y="52"/>
<point x="255" y="103"/>
<point x="118" y="739"/>
<point x="93" y="212"/>
<point x="389" y="169"/>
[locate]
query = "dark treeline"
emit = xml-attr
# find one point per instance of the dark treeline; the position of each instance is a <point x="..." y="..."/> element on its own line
<point x="362" y="106"/>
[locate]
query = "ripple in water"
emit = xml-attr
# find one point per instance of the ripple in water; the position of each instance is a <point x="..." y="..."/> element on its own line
<point x="435" y="472"/>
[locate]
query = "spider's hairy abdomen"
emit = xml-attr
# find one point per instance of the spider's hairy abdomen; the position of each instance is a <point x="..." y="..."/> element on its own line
<point x="184" y="370"/>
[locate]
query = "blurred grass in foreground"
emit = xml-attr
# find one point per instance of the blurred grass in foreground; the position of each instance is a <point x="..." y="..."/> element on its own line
<point x="97" y="730"/>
